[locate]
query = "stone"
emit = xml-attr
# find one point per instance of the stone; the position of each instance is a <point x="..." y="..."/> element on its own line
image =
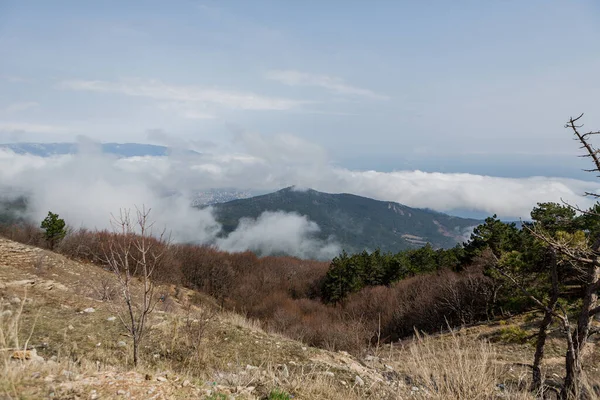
<point x="15" y="300"/>
<point x="6" y="314"/>
<point x="121" y="343"/>
<point x="89" y="310"/>
<point x="121" y="392"/>
<point x="111" y="319"/>
<point x="186" y="383"/>
<point x="161" y="379"/>
<point x="70" y="327"/>
<point x="359" y="381"/>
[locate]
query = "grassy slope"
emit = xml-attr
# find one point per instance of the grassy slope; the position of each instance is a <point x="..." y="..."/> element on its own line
<point x="193" y="350"/>
<point x="357" y="222"/>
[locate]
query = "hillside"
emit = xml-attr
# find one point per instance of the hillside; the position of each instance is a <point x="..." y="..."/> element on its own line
<point x="356" y="222"/>
<point x="63" y="313"/>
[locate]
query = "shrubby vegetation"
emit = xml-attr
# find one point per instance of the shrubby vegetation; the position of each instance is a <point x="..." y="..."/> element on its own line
<point x="347" y="303"/>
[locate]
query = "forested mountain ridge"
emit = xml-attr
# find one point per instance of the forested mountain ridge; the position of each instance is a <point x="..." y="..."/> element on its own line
<point x="358" y="223"/>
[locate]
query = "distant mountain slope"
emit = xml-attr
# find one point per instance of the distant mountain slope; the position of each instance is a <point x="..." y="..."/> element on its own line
<point x="118" y="149"/>
<point x="356" y="222"/>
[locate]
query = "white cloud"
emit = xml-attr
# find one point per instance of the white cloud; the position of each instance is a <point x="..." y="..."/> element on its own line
<point x="277" y="233"/>
<point x="86" y="188"/>
<point x="190" y="94"/>
<point x="186" y="110"/>
<point x="18" y="107"/>
<point x="11" y="127"/>
<point x="331" y="83"/>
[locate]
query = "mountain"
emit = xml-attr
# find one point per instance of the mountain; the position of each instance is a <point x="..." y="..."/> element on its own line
<point x="118" y="149"/>
<point x="214" y="196"/>
<point x="356" y="222"/>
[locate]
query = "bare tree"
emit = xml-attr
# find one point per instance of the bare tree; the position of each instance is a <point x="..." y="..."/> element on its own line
<point x="133" y="251"/>
<point x="584" y="257"/>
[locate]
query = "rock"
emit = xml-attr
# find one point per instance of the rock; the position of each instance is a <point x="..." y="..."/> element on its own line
<point x="121" y="343"/>
<point x="344" y="383"/>
<point x="15" y="300"/>
<point x="6" y="314"/>
<point x="371" y="358"/>
<point x="250" y="367"/>
<point x="186" y="383"/>
<point x="358" y="381"/>
<point x="36" y="375"/>
<point x="121" y="392"/>
<point x="285" y="372"/>
<point x="111" y="319"/>
<point x="29" y="355"/>
<point x="304" y="348"/>
<point x="93" y="395"/>
<point x="89" y="310"/>
<point x="161" y="379"/>
<point x="414" y="389"/>
<point x="26" y="282"/>
<point x="70" y="327"/>
<point x="329" y="374"/>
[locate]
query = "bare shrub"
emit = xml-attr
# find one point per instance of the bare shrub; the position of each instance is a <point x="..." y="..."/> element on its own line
<point x="132" y="253"/>
<point x="455" y="367"/>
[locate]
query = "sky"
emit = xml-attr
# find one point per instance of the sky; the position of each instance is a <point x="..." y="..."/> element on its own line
<point x="453" y="105"/>
<point x="461" y="86"/>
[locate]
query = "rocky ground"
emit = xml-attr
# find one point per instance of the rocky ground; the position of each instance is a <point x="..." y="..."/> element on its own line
<point x="61" y="337"/>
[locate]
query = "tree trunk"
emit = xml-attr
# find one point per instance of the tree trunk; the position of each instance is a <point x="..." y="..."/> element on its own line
<point x="537" y="384"/>
<point x="571" y="387"/>
<point x="135" y="351"/>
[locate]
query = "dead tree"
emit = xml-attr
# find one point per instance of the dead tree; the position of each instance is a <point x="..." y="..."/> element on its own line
<point x="584" y="256"/>
<point x="134" y="252"/>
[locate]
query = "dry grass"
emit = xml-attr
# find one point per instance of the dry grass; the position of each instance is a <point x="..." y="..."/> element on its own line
<point x="458" y="367"/>
<point x="224" y="352"/>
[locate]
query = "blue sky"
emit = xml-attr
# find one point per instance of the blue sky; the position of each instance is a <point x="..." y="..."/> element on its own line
<point x="483" y="87"/>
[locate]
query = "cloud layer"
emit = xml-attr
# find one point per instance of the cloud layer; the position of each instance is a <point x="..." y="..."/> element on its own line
<point x="186" y="95"/>
<point x="86" y="188"/>
<point x="329" y="83"/>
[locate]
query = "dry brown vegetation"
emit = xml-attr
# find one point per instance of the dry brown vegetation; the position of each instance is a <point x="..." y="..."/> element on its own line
<point x="195" y="350"/>
<point x="284" y="292"/>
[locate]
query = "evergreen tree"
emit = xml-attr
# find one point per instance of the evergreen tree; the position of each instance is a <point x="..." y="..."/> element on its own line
<point x="55" y="229"/>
